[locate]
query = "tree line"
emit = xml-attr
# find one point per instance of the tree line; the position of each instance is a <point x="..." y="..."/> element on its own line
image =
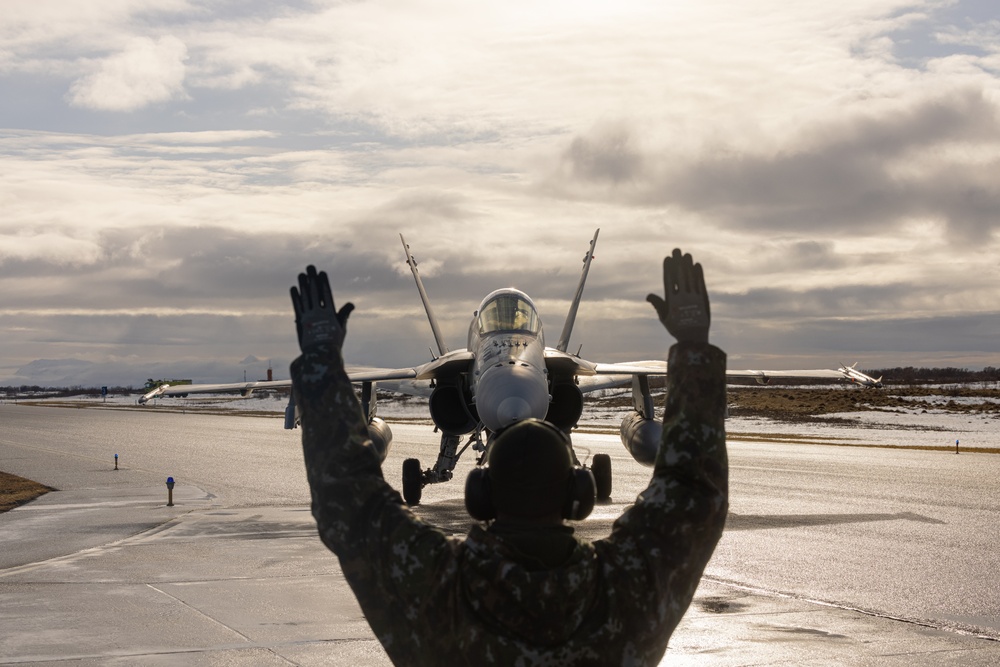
<point x="947" y="375"/>
<point x="37" y="391"/>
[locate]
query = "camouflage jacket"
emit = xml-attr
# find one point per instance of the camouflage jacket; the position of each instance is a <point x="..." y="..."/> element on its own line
<point x="432" y="599"/>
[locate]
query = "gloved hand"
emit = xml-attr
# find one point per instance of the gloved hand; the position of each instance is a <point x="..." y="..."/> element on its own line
<point x="317" y="320"/>
<point x="685" y="311"/>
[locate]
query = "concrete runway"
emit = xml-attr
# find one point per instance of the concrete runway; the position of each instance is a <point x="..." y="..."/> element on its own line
<point x="831" y="555"/>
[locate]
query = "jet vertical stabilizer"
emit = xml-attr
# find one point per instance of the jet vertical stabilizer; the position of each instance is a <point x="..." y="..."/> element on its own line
<point x="571" y="317"/>
<point x="438" y="338"/>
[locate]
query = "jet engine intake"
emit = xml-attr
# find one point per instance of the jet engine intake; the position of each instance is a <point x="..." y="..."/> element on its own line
<point x="566" y="405"/>
<point x="641" y="437"/>
<point x="450" y="410"/>
<point x="381" y="437"/>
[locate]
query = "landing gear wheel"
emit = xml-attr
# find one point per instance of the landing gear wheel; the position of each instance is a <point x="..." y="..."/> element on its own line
<point x="413" y="483"/>
<point x="601" y="469"/>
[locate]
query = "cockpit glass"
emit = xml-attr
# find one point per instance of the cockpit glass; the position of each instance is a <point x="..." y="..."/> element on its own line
<point x="508" y="312"/>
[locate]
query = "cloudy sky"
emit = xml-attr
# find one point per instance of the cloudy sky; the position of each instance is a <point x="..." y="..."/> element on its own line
<point x="169" y="166"/>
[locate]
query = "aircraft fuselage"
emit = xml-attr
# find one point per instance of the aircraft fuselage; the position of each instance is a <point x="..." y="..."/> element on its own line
<point x="509" y="381"/>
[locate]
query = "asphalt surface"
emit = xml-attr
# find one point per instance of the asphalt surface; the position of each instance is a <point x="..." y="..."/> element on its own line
<point x="831" y="556"/>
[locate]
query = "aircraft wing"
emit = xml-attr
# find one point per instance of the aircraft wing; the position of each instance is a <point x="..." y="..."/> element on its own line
<point x="566" y="363"/>
<point x="247" y="388"/>
<point x="589" y="383"/>
<point x="657" y="367"/>
<point x="646" y="367"/>
<point x="444" y="366"/>
<point x="848" y="373"/>
<point x="419" y="382"/>
<point x="380" y="374"/>
<point x="244" y="388"/>
<point x="592" y="376"/>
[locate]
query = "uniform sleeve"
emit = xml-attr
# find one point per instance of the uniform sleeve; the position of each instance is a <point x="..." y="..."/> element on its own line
<point x="658" y="549"/>
<point x="388" y="556"/>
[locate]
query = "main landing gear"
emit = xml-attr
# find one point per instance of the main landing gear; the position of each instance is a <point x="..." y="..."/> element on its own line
<point x="413" y="482"/>
<point x="601" y="469"/>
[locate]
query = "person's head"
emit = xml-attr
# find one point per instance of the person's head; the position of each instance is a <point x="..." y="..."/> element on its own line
<point x="530" y="476"/>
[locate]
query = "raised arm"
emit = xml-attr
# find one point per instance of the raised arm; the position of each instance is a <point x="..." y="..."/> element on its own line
<point x="390" y="558"/>
<point x="660" y="547"/>
<point x="334" y="433"/>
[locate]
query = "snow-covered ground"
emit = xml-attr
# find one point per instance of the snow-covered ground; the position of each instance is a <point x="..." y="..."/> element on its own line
<point x="886" y="429"/>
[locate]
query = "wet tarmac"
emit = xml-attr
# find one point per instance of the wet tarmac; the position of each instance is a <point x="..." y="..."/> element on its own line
<point x="863" y="558"/>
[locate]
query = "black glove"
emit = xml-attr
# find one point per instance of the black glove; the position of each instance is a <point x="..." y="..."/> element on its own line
<point x="685" y="311"/>
<point x="317" y="320"/>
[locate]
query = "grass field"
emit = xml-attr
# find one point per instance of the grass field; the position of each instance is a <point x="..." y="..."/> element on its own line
<point x="16" y="491"/>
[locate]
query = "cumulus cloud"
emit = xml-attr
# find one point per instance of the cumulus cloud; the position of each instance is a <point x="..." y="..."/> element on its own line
<point x="823" y="179"/>
<point x="863" y="173"/>
<point x="609" y="155"/>
<point x="47" y="246"/>
<point x="145" y="72"/>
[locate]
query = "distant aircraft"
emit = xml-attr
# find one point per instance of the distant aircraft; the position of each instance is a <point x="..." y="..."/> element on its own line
<point x="506" y="374"/>
<point x="857" y="377"/>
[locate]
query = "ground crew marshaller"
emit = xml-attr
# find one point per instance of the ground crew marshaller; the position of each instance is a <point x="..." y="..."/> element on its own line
<point x="521" y="589"/>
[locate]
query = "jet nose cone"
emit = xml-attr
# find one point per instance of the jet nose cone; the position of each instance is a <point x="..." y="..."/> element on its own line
<point x="513" y="409"/>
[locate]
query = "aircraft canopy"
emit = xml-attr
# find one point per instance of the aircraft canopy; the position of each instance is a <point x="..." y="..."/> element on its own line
<point x="509" y="312"/>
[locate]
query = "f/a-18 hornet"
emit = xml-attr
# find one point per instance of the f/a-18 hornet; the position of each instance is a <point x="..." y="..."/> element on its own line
<point x="506" y="374"/>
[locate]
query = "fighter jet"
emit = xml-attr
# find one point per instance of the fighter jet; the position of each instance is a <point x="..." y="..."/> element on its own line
<point x="503" y="375"/>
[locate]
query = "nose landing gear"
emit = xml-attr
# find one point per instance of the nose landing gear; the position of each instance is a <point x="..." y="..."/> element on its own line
<point x="415" y="479"/>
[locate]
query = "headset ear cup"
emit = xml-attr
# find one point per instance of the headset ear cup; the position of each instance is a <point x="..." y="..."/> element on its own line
<point x="479" y="495"/>
<point x="580" y="495"/>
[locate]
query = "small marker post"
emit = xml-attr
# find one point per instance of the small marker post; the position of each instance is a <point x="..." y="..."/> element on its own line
<point x="956" y="446"/>
<point x="170" y="491"/>
<point x="116" y="462"/>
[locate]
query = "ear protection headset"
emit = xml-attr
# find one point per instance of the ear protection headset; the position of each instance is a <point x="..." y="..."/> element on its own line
<point x="549" y="443"/>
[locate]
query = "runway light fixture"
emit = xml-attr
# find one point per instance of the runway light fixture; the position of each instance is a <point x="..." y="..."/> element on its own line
<point x="170" y="491"/>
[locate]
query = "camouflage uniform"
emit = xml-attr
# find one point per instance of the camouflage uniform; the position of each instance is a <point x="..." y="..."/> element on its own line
<point x="432" y="599"/>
